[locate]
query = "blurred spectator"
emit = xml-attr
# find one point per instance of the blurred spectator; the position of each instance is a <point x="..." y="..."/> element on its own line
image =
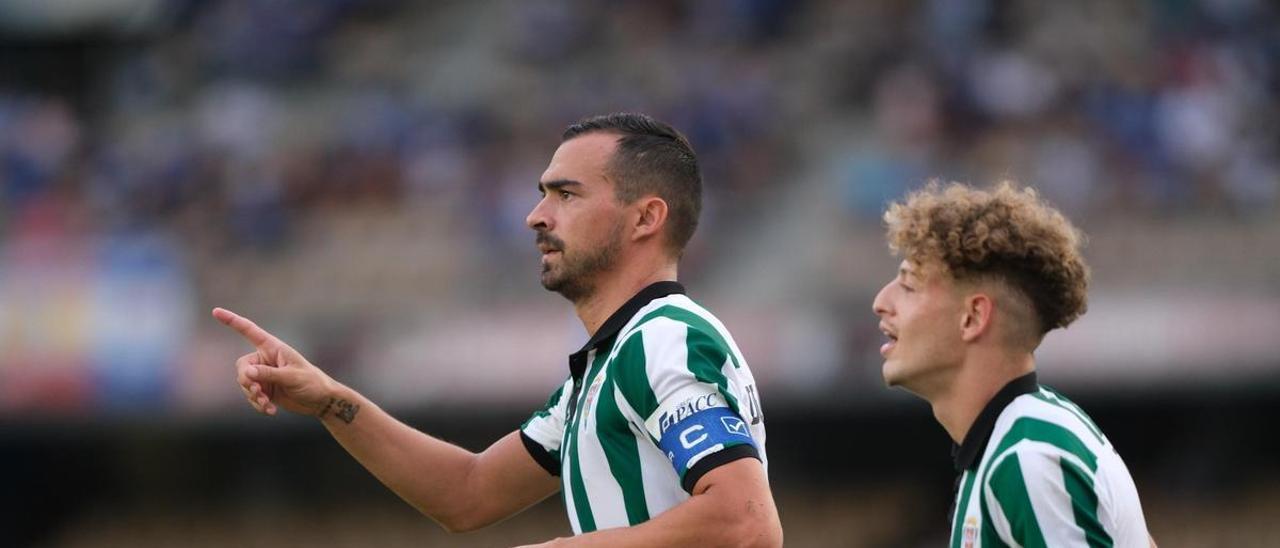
<point x="387" y="151"/>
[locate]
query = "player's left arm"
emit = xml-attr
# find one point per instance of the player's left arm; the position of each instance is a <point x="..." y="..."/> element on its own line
<point x="731" y="506"/>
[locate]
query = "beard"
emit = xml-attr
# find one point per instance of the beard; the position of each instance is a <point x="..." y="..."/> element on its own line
<point x="575" y="276"/>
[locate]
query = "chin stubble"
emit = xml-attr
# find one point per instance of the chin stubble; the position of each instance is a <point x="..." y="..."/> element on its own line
<point x="577" y="273"/>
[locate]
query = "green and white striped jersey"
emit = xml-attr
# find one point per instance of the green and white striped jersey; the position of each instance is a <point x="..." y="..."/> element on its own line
<point x="1047" y="477"/>
<point x="658" y="397"/>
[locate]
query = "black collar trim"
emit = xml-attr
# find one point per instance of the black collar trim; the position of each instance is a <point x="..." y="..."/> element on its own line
<point x="619" y="319"/>
<point x="975" y="442"/>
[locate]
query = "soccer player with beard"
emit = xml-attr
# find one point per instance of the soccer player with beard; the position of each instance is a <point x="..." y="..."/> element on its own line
<point x="985" y="275"/>
<point x="656" y="436"/>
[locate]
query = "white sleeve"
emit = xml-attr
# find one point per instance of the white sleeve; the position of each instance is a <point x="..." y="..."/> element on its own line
<point x="543" y="432"/>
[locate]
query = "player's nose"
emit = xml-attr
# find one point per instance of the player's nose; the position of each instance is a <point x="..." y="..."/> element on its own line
<point x="539" y="219"/>
<point x="880" y="305"/>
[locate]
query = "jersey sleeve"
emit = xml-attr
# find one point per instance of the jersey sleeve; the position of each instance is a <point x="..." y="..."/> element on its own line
<point x="673" y="379"/>
<point x="1042" y="496"/>
<point x="544" y="430"/>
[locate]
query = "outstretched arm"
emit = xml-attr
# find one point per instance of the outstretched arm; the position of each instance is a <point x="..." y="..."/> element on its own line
<point x="459" y="489"/>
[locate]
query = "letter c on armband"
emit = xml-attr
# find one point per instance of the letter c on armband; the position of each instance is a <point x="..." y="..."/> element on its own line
<point x="684" y="436"/>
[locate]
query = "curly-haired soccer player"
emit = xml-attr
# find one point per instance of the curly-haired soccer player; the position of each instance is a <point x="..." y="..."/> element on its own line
<point x="985" y="274"/>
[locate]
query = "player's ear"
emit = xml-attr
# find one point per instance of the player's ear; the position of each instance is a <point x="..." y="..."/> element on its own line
<point x="976" y="319"/>
<point x="650" y="218"/>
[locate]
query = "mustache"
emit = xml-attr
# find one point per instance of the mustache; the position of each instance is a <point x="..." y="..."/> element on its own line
<point x="549" y="239"/>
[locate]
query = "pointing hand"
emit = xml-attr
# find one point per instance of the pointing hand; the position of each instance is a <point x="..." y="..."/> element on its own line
<point x="275" y="374"/>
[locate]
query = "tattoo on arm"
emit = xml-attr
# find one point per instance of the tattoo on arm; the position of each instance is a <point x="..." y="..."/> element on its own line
<point x="343" y="409"/>
<point x="347" y="411"/>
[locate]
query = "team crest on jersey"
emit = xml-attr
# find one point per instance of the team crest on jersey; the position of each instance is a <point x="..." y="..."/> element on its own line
<point x="970" y="534"/>
<point x="592" y="392"/>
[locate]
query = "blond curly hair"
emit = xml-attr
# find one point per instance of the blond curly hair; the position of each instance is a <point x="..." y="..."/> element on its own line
<point x="1007" y="234"/>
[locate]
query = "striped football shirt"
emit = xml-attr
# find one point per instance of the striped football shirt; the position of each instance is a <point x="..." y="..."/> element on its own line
<point x="1046" y="476"/>
<point x="658" y="397"/>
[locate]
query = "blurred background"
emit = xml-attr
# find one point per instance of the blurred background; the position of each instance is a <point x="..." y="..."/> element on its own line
<point x="355" y="176"/>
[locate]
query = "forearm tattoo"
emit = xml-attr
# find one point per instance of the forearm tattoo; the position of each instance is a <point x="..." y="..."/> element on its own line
<point x="343" y="409"/>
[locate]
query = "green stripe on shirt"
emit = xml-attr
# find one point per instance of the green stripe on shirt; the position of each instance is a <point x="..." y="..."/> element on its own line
<point x="586" y="519"/>
<point x="621" y="452"/>
<point x="1010" y="491"/>
<point x="1084" y="505"/>
<point x="629" y="372"/>
<point x="1032" y="429"/>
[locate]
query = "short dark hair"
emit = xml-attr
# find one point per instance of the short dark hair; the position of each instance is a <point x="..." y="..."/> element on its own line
<point x="652" y="158"/>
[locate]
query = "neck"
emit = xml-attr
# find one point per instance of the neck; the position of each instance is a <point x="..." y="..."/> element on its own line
<point x="611" y="293"/>
<point x="975" y="383"/>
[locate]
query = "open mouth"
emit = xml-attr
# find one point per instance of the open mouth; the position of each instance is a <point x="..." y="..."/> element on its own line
<point x="888" y="347"/>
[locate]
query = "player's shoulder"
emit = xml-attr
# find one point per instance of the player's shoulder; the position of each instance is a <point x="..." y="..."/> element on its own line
<point x="1044" y="422"/>
<point x="675" y="314"/>
<point x="677" y="324"/>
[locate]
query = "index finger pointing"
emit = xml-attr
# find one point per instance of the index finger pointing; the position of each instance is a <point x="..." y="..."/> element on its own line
<point x="249" y="330"/>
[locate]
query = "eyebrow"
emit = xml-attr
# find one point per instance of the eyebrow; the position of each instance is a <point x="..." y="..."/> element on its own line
<point x="556" y="184"/>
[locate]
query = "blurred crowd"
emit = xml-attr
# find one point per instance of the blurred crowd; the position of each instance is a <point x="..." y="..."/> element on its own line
<point x="383" y="154"/>
<point x="248" y="114"/>
<point x="1164" y="109"/>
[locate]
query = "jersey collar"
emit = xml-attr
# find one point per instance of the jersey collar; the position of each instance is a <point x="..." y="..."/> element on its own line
<point x="619" y="319"/>
<point x="966" y="454"/>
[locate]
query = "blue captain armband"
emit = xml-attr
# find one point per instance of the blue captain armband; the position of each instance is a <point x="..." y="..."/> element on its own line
<point x="702" y="441"/>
